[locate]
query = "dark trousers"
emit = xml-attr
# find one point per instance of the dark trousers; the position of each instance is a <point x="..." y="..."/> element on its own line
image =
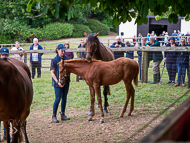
<point x="60" y="94"/>
<point x="34" y="66"/>
<point x="171" y="68"/>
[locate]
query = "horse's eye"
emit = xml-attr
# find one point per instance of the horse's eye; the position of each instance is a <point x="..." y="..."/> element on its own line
<point x="61" y="71"/>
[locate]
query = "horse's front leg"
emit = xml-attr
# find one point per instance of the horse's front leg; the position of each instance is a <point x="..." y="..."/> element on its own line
<point x="106" y="88"/>
<point x="92" y="96"/>
<point x="98" y="93"/>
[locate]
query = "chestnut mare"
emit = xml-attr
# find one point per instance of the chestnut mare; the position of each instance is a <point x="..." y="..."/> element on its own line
<point x="95" y="50"/>
<point x="97" y="73"/>
<point x="16" y="94"/>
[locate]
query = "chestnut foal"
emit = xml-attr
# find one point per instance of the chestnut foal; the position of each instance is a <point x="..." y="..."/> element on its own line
<point x="97" y="73"/>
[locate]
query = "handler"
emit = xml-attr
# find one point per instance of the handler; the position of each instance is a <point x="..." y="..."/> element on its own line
<point x="60" y="90"/>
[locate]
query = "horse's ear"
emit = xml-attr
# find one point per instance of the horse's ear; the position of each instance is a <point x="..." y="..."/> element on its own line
<point x="96" y="34"/>
<point x="85" y="34"/>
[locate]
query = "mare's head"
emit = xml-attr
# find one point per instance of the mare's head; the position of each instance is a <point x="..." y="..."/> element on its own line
<point x="92" y="42"/>
<point x="62" y="72"/>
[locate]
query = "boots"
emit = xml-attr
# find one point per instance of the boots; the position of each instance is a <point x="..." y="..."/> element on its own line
<point x="54" y="119"/>
<point x="158" y="77"/>
<point x="155" y="79"/>
<point x="63" y="116"/>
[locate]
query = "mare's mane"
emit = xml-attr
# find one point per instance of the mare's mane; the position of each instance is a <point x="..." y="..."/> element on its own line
<point x="80" y="60"/>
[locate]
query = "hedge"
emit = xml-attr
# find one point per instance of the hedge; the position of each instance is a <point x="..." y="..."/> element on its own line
<point x="79" y="29"/>
<point x="97" y="26"/>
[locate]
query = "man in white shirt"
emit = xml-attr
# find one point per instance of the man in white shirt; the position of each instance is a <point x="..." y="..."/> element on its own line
<point x="36" y="58"/>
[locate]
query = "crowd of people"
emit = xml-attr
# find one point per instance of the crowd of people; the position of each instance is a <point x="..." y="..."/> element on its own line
<point x="176" y="62"/>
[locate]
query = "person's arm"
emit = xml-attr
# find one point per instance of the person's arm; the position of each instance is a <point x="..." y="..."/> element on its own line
<point x="55" y="78"/>
<point x="113" y="45"/>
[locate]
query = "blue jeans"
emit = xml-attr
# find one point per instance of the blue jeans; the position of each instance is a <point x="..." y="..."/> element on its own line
<point x="181" y="74"/>
<point x="140" y="74"/>
<point x="60" y="94"/>
<point x="171" y="68"/>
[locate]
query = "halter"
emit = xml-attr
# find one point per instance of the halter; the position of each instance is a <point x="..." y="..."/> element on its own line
<point x="64" y="77"/>
<point x="92" y="53"/>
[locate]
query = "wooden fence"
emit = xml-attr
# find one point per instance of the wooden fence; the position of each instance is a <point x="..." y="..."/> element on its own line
<point x="145" y="50"/>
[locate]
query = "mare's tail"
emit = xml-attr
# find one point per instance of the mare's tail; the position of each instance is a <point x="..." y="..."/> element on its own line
<point x="135" y="80"/>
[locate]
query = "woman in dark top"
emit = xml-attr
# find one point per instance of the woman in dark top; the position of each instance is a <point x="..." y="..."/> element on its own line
<point x="60" y="90"/>
<point x="170" y="58"/>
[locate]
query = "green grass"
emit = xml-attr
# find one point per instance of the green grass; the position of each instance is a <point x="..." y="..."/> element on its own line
<point x="148" y="98"/>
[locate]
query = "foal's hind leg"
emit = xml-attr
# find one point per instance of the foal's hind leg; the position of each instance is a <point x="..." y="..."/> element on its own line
<point x="130" y="93"/>
<point x="105" y="99"/>
<point x="92" y="96"/>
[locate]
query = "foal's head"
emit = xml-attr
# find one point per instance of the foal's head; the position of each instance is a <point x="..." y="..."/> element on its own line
<point x="62" y="72"/>
<point x="92" y="42"/>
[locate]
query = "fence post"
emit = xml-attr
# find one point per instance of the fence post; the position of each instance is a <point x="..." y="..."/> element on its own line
<point x="108" y="42"/>
<point x="144" y="67"/>
<point x="25" y="58"/>
<point x="188" y="86"/>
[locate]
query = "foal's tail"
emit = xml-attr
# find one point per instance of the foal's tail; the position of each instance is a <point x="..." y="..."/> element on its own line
<point x="135" y="80"/>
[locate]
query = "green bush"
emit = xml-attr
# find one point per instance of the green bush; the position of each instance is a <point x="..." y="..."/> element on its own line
<point x="114" y="29"/>
<point x="79" y="29"/>
<point x="5" y="39"/>
<point x="97" y="26"/>
<point x="56" y="31"/>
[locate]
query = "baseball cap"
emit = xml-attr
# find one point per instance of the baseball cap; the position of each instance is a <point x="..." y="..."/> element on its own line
<point x="4" y="51"/>
<point x="171" y="38"/>
<point x="62" y="47"/>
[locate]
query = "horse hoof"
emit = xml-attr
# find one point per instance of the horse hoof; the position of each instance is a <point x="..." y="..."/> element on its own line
<point x="89" y="113"/>
<point x="105" y="111"/>
<point x="120" y="116"/>
<point x="89" y="119"/>
<point x="101" y="122"/>
<point x="97" y="106"/>
<point x="128" y="114"/>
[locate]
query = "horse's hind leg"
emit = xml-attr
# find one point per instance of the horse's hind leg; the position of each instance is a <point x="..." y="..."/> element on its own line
<point x="7" y="128"/>
<point x="23" y="125"/>
<point x="92" y="96"/>
<point x="105" y="99"/>
<point x="130" y="93"/>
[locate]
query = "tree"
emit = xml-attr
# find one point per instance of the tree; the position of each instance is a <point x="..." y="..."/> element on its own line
<point x="122" y="10"/>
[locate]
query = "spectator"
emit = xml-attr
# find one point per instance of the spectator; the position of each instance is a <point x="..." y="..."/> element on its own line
<point x="61" y="91"/>
<point x="4" y="52"/>
<point x="139" y="39"/>
<point x="17" y="48"/>
<point x="188" y="41"/>
<point x="36" y="58"/>
<point x="170" y="58"/>
<point x="148" y="35"/>
<point x="182" y="63"/>
<point x="129" y="54"/>
<point x="134" y="40"/>
<point x="175" y="34"/>
<point x="163" y="37"/>
<point x="82" y="45"/>
<point x="157" y="58"/>
<point x="118" y="44"/>
<point x="70" y="55"/>
<point x="143" y="41"/>
<point x="166" y="38"/>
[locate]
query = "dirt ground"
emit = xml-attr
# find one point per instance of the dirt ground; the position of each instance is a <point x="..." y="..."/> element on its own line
<point x="79" y="130"/>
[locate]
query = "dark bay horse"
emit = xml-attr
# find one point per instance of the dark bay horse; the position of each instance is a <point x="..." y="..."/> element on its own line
<point x="96" y="50"/>
<point x="16" y="94"/>
<point x="97" y="73"/>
